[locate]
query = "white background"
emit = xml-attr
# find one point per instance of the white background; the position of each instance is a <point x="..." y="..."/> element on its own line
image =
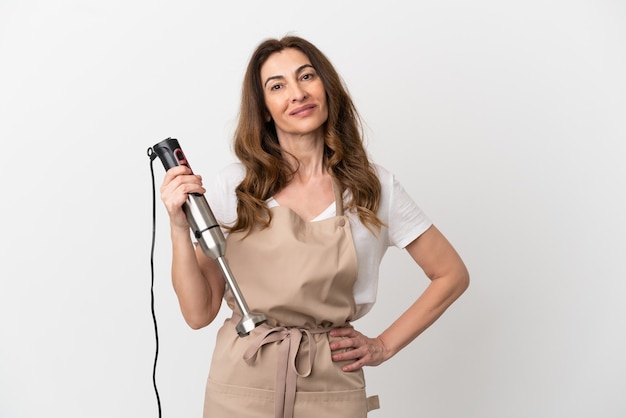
<point x="504" y="120"/>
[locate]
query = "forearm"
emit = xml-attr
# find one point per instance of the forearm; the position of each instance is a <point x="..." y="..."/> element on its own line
<point x="199" y="301"/>
<point x="431" y="304"/>
<point x="449" y="279"/>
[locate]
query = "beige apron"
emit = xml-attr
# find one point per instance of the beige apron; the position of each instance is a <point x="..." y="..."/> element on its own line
<point x="300" y="275"/>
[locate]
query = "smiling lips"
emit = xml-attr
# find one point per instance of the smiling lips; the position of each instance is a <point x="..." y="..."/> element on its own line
<point x="302" y="110"/>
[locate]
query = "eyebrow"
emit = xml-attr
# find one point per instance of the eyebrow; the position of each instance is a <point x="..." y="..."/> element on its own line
<point x="276" y="77"/>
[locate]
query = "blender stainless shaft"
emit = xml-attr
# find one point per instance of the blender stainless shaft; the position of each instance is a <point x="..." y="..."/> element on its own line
<point x="211" y="239"/>
<point x="208" y="233"/>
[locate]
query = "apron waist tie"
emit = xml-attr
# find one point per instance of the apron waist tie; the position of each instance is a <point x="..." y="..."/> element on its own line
<point x="289" y="340"/>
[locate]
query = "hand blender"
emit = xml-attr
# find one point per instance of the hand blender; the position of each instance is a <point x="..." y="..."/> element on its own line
<point x="208" y="233"/>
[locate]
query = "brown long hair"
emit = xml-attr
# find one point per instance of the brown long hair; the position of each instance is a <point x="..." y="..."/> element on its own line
<point x="256" y="143"/>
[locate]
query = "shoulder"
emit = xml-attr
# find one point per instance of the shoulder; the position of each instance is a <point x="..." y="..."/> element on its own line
<point x="221" y="193"/>
<point x="404" y="219"/>
<point x="233" y="171"/>
<point x="380" y="170"/>
<point x="394" y="197"/>
<point x="225" y="181"/>
<point x="230" y="176"/>
<point x="385" y="177"/>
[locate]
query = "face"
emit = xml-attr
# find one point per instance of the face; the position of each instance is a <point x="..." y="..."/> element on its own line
<point x="294" y="94"/>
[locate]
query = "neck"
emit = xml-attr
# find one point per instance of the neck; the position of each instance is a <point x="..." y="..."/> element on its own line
<point x="305" y="155"/>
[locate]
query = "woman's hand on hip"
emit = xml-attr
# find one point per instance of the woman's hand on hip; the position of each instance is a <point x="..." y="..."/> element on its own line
<point x="352" y="345"/>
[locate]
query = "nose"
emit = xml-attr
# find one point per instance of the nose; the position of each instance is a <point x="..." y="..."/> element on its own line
<point x="297" y="93"/>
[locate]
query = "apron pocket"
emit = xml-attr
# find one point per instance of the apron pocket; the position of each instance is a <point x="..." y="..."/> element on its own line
<point x="228" y="401"/>
<point x="335" y="404"/>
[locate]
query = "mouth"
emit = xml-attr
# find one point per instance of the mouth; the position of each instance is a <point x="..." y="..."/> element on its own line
<point x="302" y="110"/>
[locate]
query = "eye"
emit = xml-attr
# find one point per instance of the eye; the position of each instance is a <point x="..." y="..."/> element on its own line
<point x="308" y="76"/>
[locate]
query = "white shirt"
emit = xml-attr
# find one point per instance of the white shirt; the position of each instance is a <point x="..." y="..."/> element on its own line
<point x="404" y="222"/>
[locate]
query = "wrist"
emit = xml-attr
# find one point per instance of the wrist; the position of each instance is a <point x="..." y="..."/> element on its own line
<point x="386" y="351"/>
<point x="178" y="232"/>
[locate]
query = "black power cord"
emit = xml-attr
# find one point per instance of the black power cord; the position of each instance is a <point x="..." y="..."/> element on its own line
<point x="152" y="156"/>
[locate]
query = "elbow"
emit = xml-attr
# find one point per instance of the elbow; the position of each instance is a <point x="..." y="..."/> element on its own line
<point x="197" y="322"/>
<point x="200" y="315"/>
<point x="463" y="281"/>
<point x="457" y="280"/>
<point x="196" y="325"/>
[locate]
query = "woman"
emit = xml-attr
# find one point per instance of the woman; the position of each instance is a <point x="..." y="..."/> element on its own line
<point x="308" y="219"/>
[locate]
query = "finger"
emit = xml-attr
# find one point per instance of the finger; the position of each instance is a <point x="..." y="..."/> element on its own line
<point x="348" y="355"/>
<point x="352" y="359"/>
<point x="342" y="344"/>
<point x="175" y="172"/>
<point x="343" y="332"/>
<point x="352" y="367"/>
<point x="182" y="185"/>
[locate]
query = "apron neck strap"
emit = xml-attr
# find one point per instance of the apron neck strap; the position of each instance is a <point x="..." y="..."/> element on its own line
<point x="338" y="197"/>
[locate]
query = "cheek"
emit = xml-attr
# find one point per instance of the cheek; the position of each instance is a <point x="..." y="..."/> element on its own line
<point x="325" y="113"/>
<point x="273" y="107"/>
<point x="324" y="102"/>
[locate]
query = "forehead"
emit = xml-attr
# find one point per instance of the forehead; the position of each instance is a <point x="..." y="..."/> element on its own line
<point x="283" y="63"/>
